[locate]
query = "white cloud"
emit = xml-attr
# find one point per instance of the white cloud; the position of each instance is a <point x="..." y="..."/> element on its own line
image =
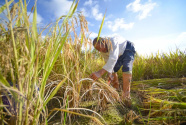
<point x="89" y="2"/>
<point x="84" y="12"/>
<point x="39" y="18"/>
<point x="95" y="12"/>
<point x="148" y="46"/>
<point x="181" y="41"/>
<point x="118" y="23"/>
<point x="58" y="7"/>
<point x="163" y="44"/>
<point x="119" y="37"/>
<point x="90" y="24"/>
<point x="181" y="37"/>
<point x="93" y="35"/>
<point x="143" y="9"/>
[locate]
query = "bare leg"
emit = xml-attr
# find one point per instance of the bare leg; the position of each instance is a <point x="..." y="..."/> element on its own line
<point x="127" y="77"/>
<point x="115" y="81"/>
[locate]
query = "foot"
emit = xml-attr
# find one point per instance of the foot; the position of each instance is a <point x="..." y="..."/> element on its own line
<point x="127" y="102"/>
<point x="126" y="99"/>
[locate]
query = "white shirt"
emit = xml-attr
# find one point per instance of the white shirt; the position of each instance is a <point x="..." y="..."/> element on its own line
<point x="115" y="50"/>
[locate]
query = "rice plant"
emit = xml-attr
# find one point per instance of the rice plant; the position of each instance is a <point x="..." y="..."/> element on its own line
<point x="164" y="65"/>
<point x="23" y="75"/>
<point x="34" y="69"/>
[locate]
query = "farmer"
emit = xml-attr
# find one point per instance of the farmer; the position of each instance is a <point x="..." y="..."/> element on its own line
<point x="116" y="53"/>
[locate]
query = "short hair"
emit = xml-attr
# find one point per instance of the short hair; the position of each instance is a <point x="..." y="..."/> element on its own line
<point x="96" y="41"/>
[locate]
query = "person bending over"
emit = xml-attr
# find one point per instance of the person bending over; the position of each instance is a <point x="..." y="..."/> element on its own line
<point x="116" y="53"/>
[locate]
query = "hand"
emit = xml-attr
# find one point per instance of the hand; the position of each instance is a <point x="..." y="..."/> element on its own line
<point x="95" y="75"/>
<point x="110" y="77"/>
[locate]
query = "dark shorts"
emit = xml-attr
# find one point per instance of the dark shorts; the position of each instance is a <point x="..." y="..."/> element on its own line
<point x="126" y="60"/>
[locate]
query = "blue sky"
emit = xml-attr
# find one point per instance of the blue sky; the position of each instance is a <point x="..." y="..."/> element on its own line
<point x="151" y="24"/>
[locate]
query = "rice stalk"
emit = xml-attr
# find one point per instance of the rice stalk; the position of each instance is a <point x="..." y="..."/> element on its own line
<point x="75" y="113"/>
<point x="28" y="67"/>
<point x="2" y="8"/>
<point x="162" y="65"/>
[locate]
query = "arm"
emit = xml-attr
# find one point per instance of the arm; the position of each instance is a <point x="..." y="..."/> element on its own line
<point x="98" y="74"/>
<point x="113" y="57"/>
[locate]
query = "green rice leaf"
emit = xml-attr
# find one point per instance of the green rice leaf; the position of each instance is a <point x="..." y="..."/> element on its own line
<point x="52" y="60"/>
<point x="25" y="16"/>
<point x="82" y="38"/>
<point x="13" y="91"/>
<point x="69" y="15"/>
<point x="2" y="8"/>
<point x="34" y="25"/>
<point x="4" y="81"/>
<point x="75" y="113"/>
<point x="25" y="6"/>
<point x="54" y="92"/>
<point x="74" y="9"/>
<point x="101" y="27"/>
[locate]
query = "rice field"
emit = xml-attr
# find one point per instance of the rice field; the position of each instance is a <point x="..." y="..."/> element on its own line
<point x="46" y="80"/>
